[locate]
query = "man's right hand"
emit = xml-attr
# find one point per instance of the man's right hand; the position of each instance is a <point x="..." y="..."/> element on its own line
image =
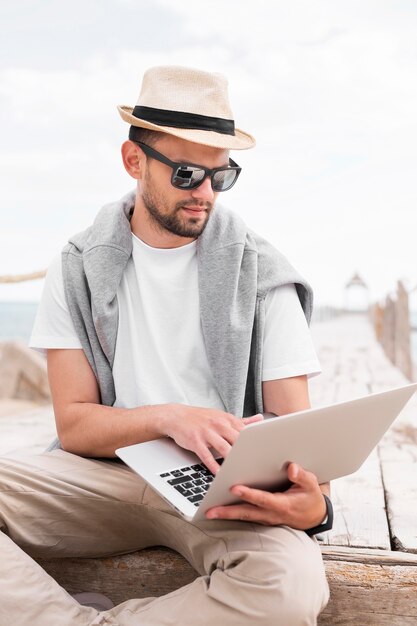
<point x="88" y="428"/>
<point x="199" y="429"/>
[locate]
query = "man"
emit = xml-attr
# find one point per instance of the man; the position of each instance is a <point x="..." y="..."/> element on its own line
<point x="168" y="317"/>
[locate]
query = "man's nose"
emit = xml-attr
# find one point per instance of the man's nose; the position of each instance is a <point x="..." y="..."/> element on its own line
<point x="204" y="191"/>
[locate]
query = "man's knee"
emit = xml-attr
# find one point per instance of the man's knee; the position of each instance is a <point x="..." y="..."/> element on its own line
<point x="300" y="604"/>
<point x="273" y="589"/>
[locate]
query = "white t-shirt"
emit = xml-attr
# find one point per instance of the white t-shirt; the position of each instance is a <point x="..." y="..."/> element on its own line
<point x="160" y="355"/>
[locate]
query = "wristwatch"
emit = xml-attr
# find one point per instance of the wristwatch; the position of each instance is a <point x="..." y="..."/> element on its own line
<point x="328" y="522"/>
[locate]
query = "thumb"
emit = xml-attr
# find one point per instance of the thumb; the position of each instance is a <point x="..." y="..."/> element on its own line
<point x="296" y="474"/>
<point x="302" y="477"/>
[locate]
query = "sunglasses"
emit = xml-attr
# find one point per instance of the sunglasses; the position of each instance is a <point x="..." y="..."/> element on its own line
<point x="189" y="176"/>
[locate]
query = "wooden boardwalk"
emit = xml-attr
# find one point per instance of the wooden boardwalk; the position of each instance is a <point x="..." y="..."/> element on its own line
<point x="371" y="553"/>
<point x="377" y="506"/>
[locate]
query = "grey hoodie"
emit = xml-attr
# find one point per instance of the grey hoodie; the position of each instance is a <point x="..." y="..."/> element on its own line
<point x="236" y="269"/>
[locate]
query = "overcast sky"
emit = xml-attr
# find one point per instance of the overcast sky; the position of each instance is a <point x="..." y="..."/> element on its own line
<point x="328" y="88"/>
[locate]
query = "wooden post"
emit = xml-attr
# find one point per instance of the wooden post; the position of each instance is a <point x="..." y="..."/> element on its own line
<point x="388" y="329"/>
<point x="377" y="315"/>
<point x="402" y="332"/>
<point x="393" y="330"/>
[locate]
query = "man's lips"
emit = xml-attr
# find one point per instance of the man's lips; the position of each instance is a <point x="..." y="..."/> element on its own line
<point x="194" y="210"/>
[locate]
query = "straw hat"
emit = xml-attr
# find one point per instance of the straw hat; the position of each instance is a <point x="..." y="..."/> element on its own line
<point x="187" y="103"/>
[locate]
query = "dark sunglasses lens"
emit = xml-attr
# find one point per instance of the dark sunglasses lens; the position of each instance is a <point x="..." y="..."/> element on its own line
<point x="224" y="179"/>
<point x="187" y="177"/>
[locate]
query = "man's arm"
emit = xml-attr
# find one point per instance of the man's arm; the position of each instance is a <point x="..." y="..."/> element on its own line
<point x="288" y="395"/>
<point x="302" y="506"/>
<point x="87" y="428"/>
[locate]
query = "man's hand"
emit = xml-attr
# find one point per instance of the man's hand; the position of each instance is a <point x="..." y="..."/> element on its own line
<point x="199" y="429"/>
<point x="302" y="506"/>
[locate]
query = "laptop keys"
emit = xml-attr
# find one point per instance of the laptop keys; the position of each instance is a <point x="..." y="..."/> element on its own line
<point x="177" y="481"/>
<point x="196" y="499"/>
<point x="192" y="482"/>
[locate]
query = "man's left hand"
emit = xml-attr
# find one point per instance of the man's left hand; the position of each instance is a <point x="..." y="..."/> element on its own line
<point x="302" y="506"/>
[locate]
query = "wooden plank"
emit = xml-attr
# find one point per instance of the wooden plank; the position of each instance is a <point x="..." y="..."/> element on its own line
<point x="348" y="345"/>
<point x="147" y="573"/>
<point x="346" y="618"/>
<point x="368" y="556"/>
<point x="359" y="506"/>
<point x="370" y="594"/>
<point x="398" y="458"/>
<point x="400" y="480"/>
<point x="359" y="502"/>
<point x="368" y="587"/>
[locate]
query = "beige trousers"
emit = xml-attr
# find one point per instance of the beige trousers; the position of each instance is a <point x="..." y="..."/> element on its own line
<point x="59" y="505"/>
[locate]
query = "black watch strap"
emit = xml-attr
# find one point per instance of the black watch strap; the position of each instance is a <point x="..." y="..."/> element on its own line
<point x="327" y="525"/>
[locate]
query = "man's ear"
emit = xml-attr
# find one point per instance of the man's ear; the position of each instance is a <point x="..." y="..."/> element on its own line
<point x="134" y="159"/>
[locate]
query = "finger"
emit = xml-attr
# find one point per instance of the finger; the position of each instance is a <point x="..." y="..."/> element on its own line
<point x="208" y="459"/>
<point x="253" y="418"/>
<point x="263" y="499"/>
<point x="222" y="446"/>
<point x="236" y="422"/>
<point x="229" y="434"/>
<point x="244" y="513"/>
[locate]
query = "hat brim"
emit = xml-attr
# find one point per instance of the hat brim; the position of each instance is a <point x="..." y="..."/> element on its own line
<point x="239" y="141"/>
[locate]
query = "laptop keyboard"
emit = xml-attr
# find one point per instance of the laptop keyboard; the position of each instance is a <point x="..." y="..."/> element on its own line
<point x="191" y="481"/>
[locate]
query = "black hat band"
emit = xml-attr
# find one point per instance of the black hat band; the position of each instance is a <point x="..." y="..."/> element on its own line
<point x="179" y="119"/>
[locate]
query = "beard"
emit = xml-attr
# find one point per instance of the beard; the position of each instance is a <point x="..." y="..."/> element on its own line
<point x="172" y="219"/>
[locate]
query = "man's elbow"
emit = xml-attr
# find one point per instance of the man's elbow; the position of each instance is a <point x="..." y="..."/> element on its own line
<point x="69" y="429"/>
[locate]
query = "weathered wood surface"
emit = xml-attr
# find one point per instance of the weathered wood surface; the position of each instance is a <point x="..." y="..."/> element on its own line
<point x="399" y="471"/>
<point x="359" y="504"/>
<point x="368" y="587"/>
<point x="354" y="364"/>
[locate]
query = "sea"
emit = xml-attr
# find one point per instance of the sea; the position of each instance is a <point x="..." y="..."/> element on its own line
<point x="17" y="318"/>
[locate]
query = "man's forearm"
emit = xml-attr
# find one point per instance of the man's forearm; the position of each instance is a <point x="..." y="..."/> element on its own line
<point x="96" y="430"/>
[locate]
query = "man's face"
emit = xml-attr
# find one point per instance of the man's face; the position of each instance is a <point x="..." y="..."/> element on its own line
<point x="182" y="212"/>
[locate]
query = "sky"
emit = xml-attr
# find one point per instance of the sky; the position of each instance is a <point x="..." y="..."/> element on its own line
<point x="328" y="88"/>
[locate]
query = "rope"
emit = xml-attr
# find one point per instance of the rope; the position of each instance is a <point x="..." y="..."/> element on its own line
<point x="23" y="277"/>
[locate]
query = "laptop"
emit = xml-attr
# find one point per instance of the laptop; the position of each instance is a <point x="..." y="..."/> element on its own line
<point x="331" y="441"/>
